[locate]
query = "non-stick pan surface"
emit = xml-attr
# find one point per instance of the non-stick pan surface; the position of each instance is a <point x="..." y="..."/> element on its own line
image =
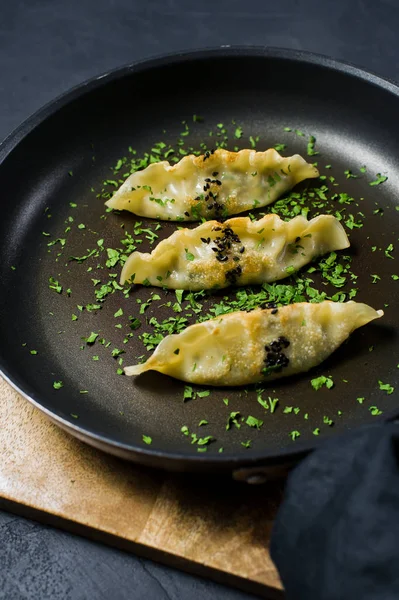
<point x="66" y="149"/>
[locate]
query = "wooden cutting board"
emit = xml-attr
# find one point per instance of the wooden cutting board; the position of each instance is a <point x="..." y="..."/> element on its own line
<point x="217" y="529"/>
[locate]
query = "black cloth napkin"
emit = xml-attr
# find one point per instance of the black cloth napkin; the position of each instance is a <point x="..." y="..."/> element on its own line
<point x="336" y="536"/>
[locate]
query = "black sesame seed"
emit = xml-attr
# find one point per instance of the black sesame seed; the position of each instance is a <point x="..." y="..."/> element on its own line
<point x="284" y="342"/>
<point x="242" y="250"/>
<point x="187" y="214"/>
<point x="297" y="239"/>
<point x="215" y="174"/>
<point x="218" y="182"/>
<point x="207" y="179"/>
<point x="270" y="305"/>
<point x="274" y="311"/>
<point x="204" y="240"/>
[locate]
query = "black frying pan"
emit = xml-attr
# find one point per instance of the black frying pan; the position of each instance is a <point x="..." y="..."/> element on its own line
<point x="353" y="115"/>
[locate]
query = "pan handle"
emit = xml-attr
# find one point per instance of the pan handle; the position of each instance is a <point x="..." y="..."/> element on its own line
<point x="262" y="474"/>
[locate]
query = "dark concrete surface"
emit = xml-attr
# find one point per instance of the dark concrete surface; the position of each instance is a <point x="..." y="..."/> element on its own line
<point x="47" y="46"/>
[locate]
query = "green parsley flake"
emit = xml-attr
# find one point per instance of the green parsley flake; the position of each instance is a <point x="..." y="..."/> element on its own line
<point x="147" y="439"/>
<point x="233" y="420"/>
<point x="388" y="251"/>
<point x="294" y="435"/>
<point x="118" y="313"/>
<point x="188" y="393"/>
<point x="57" y="385"/>
<point x="189" y="255"/>
<point x="386" y="387"/>
<point x="92" y="338"/>
<point x="246" y="444"/>
<point x="311" y="146"/>
<point x="319" y="382"/>
<point x="33" y="352"/>
<point x="238" y="133"/>
<point x="379" y="179"/>
<point x="375" y="411"/>
<point x="54" y="285"/>
<point x="254" y="422"/>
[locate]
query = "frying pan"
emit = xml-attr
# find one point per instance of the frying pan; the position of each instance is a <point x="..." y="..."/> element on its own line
<point x="68" y="147"/>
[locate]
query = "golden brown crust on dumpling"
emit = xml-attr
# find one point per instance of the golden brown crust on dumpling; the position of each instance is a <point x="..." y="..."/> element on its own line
<point x="242" y="348"/>
<point x="236" y="252"/>
<point x="190" y="189"/>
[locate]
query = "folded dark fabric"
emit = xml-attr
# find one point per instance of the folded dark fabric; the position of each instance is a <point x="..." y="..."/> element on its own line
<point x="336" y="536"/>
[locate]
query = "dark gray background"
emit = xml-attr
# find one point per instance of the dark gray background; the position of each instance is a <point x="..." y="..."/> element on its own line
<point x="47" y="46"/>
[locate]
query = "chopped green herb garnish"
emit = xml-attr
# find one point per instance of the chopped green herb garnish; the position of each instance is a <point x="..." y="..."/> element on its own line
<point x="386" y="387"/>
<point x="188" y="393"/>
<point x="379" y="179"/>
<point x="238" y="132"/>
<point x="57" y="385"/>
<point x="54" y="285"/>
<point x="254" y="422"/>
<point x="233" y="420"/>
<point x="311" y="146"/>
<point x="319" y="382"/>
<point x="147" y="439"/>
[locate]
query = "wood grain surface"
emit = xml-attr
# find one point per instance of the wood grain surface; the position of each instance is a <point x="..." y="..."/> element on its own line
<point x="217" y="528"/>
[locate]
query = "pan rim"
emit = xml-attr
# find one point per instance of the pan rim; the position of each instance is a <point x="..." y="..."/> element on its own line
<point x="174" y="459"/>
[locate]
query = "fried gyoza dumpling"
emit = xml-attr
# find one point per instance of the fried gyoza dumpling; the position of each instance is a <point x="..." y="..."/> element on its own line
<point x="213" y="185"/>
<point x="238" y="251"/>
<point x="249" y="347"/>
